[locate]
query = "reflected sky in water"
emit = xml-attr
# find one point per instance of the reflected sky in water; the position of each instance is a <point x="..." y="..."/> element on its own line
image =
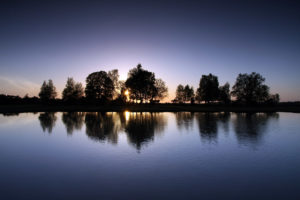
<point x="150" y="155"/>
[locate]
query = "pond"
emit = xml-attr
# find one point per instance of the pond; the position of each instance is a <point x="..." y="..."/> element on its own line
<point x="140" y="155"/>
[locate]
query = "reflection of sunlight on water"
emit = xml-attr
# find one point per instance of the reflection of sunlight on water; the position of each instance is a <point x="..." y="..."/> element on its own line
<point x="127" y="114"/>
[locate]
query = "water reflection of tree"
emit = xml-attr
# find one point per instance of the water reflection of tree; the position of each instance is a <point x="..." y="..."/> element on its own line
<point x="73" y="121"/>
<point x="141" y="127"/>
<point x="208" y="124"/>
<point x="47" y="121"/>
<point x="250" y="127"/>
<point x="223" y="120"/>
<point x="101" y="126"/>
<point x="184" y="120"/>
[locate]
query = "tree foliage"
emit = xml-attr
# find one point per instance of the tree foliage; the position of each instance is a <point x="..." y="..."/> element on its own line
<point x="250" y="88"/>
<point x="184" y="93"/>
<point x="189" y="93"/>
<point x="208" y="88"/>
<point x="224" y="93"/>
<point x="72" y="91"/>
<point x="99" y="86"/>
<point x="141" y="84"/>
<point x="47" y="91"/>
<point x="180" y="93"/>
<point x="160" y="90"/>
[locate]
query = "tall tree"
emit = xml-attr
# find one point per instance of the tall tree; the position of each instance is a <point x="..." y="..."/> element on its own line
<point x="208" y="88"/>
<point x="224" y="93"/>
<point x="250" y="88"/>
<point x="180" y="93"/>
<point x="99" y="86"/>
<point x="140" y="83"/>
<point x="48" y="91"/>
<point x="160" y="90"/>
<point x="188" y="93"/>
<point x="73" y="91"/>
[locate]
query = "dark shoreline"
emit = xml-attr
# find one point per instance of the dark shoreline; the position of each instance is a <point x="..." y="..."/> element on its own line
<point x="148" y="108"/>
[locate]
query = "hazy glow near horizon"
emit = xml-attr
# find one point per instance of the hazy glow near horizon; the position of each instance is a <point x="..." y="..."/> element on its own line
<point x="179" y="41"/>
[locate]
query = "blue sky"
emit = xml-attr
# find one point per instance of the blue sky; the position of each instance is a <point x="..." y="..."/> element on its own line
<point x="178" y="40"/>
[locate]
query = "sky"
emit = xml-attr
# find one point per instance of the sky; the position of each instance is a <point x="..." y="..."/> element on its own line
<point x="178" y="40"/>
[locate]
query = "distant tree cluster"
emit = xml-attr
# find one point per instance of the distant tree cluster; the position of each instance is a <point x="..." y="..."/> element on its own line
<point x="248" y="89"/>
<point x="9" y="99"/>
<point x="184" y="94"/>
<point x="73" y="91"/>
<point x="48" y="91"/>
<point x="103" y="87"/>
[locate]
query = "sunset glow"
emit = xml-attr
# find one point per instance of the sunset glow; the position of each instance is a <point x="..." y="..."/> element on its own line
<point x="149" y="99"/>
<point x="126" y="92"/>
<point x="127" y="115"/>
<point x="178" y="41"/>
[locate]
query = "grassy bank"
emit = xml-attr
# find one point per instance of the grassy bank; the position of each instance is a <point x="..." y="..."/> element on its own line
<point x="149" y="108"/>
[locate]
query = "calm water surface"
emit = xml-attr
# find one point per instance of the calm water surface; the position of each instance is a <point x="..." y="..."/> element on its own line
<point x="150" y="156"/>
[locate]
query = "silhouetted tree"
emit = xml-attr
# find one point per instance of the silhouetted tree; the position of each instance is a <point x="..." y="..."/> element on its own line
<point x="141" y="83"/>
<point x="180" y="94"/>
<point x="48" y="91"/>
<point x="9" y="99"/>
<point x="99" y="86"/>
<point x="224" y="93"/>
<point x="188" y="93"/>
<point x="249" y="88"/>
<point x="73" y="91"/>
<point x="208" y="88"/>
<point x="160" y="90"/>
<point x="273" y="99"/>
<point x="184" y="94"/>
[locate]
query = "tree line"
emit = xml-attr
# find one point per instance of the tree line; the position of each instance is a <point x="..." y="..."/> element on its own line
<point x="142" y="86"/>
<point x="248" y="89"/>
<point x="103" y="87"/>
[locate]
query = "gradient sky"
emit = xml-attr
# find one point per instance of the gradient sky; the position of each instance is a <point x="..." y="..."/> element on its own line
<point x="178" y="40"/>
